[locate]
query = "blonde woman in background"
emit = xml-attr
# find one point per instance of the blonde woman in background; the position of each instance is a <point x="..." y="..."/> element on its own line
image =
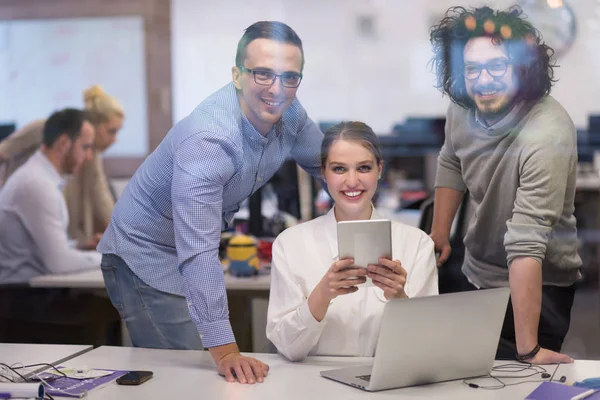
<point x="89" y="197"/>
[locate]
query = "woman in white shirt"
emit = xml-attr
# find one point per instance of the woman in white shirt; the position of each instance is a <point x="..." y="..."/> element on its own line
<point x="315" y="307"/>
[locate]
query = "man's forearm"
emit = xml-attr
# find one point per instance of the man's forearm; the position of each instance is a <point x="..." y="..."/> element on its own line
<point x="446" y="203"/>
<point x="525" y="277"/>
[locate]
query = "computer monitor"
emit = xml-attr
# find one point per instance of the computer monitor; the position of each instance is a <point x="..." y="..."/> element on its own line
<point x="420" y="131"/>
<point x="594" y="123"/>
<point x="6" y="130"/>
<point x="325" y="125"/>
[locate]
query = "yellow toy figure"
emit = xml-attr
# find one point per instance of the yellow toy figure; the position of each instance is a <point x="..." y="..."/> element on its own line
<point x="242" y="255"/>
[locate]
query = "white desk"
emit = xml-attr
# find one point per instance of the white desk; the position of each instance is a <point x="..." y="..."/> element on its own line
<point x="588" y="182"/>
<point x="13" y="353"/>
<point x="94" y="280"/>
<point x="183" y="374"/>
<point x="580" y="370"/>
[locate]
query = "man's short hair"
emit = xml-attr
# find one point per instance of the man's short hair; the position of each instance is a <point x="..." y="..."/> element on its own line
<point x="69" y="121"/>
<point x="273" y="30"/>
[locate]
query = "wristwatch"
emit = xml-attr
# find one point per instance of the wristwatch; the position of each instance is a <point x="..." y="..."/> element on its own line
<point x="529" y="355"/>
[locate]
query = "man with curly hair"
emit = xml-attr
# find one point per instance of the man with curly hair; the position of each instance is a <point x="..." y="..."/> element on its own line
<point x="513" y="148"/>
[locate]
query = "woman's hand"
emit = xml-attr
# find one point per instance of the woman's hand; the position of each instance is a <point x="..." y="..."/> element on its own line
<point x="389" y="276"/>
<point x="90" y="243"/>
<point x="340" y="279"/>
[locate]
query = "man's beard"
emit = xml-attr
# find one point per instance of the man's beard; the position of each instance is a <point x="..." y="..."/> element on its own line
<point x="69" y="164"/>
<point x="492" y="110"/>
<point x="496" y="106"/>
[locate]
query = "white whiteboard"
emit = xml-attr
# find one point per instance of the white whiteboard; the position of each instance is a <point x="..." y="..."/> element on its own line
<point x="46" y="64"/>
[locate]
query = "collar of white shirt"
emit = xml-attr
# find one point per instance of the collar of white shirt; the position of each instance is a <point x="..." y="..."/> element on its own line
<point x="331" y="229"/>
<point x="45" y="166"/>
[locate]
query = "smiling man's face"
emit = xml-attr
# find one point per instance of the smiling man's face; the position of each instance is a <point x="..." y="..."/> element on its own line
<point x="495" y="89"/>
<point x="264" y="105"/>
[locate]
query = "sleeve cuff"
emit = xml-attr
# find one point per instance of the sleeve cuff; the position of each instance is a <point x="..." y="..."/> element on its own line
<point x="216" y="333"/>
<point x="511" y="258"/>
<point x="449" y="179"/>
<point x="307" y="319"/>
<point x="526" y="240"/>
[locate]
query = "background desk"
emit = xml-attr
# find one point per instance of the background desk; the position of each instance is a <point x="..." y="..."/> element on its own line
<point x="93" y="280"/>
<point x="184" y="374"/>
<point x="13" y="353"/>
<point x="250" y="326"/>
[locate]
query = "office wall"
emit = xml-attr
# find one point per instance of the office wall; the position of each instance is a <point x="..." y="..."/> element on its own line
<point x="45" y="64"/>
<point x="375" y="72"/>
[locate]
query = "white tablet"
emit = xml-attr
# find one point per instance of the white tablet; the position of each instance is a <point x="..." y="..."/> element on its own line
<point x="365" y="240"/>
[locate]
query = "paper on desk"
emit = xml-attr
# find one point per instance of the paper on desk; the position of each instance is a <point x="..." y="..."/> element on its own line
<point x="558" y="391"/>
<point x="73" y="387"/>
<point x="80" y="373"/>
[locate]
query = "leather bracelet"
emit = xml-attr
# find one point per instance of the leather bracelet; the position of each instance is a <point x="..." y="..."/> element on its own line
<point x="529" y="355"/>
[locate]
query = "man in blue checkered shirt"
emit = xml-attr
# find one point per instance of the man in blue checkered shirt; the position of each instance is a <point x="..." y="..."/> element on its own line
<point x="160" y="251"/>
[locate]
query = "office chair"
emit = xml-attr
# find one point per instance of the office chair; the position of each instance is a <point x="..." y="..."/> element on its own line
<point x="447" y="273"/>
<point x="426" y="215"/>
<point x="426" y="221"/>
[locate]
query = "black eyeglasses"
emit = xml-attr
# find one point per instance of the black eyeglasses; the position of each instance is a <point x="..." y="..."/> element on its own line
<point x="496" y="68"/>
<point x="267" y="78"/>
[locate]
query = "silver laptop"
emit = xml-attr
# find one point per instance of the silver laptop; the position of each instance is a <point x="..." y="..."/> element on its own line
<point x="432" y="339"/>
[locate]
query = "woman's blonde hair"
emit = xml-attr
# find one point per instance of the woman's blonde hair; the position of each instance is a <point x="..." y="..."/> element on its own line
<point x="354" y="131"/>
<point x="101" y="106"/>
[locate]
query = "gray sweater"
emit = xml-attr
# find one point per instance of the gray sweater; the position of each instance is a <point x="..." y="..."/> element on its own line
<point x="521" y="177"/>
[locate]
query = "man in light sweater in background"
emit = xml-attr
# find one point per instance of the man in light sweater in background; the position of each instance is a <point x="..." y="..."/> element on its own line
<point x="514" y="148"/>
<point x="33" y="210"/>
<point x="34" y="242"/>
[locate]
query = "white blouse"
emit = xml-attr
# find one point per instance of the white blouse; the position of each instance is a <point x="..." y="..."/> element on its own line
<point x="302" y="255"/>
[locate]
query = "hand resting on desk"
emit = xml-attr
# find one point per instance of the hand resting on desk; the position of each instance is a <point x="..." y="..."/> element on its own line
<point x="545" y="356"/>
<point x="232" y="365"/>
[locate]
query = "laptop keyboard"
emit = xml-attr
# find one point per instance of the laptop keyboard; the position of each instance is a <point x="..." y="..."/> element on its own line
<point x="365" y="377"/>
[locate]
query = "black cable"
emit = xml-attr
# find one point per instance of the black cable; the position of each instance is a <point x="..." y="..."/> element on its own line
<point x="43" y="364"/>
<point x="52" y="379"/>
<point x="516" y="368"/>
<point x="552" y="377"/>
<point x="7" y="378"/>
<point x="15" y="371"/>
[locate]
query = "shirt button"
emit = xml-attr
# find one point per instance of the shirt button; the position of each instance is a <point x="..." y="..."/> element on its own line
<point x="259" y="179"/>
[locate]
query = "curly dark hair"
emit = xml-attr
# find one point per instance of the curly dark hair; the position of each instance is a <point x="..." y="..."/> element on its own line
<point x="530" y="56"/>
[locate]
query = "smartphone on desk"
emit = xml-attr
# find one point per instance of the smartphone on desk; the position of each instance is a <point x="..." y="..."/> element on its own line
<point x="134" y="378"/>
